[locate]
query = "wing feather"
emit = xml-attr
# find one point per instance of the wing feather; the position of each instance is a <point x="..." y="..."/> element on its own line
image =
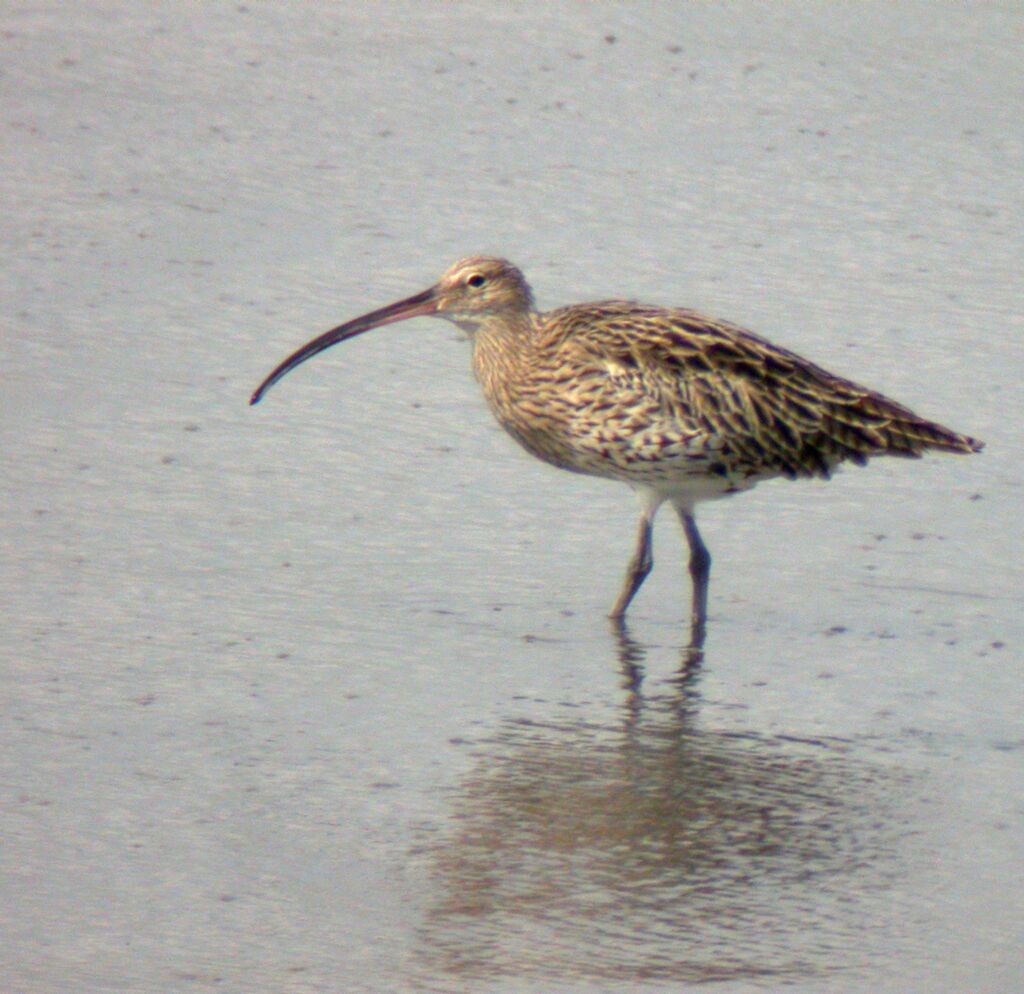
<point x="762" y="405"/>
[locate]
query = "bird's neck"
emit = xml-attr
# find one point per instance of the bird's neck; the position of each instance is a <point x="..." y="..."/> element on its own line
<point x="501" y="346"/>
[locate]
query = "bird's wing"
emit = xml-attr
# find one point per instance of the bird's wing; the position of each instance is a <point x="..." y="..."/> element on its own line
<point x="762" y="405"/>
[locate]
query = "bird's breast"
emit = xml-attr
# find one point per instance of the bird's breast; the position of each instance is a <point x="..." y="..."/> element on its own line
<point x="592" y="418"/>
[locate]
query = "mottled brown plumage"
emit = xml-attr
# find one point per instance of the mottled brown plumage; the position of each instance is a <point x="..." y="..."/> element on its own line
<point x="682" y="407"/>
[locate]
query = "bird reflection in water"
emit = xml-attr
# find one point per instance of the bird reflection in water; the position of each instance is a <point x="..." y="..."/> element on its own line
<point x="645" y="844"/>
<point x="631" y="655"/>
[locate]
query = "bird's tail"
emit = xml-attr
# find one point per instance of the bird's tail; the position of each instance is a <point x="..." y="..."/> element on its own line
<point x="876" y="425"/>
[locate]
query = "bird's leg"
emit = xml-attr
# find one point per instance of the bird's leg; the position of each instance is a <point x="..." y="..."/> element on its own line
<point x="700" y="571"/>
<point x="639" y="566"/>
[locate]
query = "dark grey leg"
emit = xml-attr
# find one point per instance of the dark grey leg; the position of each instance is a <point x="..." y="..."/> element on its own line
<point x="700" y="571"/>
<point x="639" y="566"/>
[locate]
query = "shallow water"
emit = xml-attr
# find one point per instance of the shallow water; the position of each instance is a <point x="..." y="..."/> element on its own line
<point x="319" y="695"/>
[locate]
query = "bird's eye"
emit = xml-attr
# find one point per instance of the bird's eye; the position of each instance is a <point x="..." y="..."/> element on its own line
<point x="476" y="280"/>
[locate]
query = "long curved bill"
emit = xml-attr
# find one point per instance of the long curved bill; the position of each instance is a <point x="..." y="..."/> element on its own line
<point x="423" y="303"/>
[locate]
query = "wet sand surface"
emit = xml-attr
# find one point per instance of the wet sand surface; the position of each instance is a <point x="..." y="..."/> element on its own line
<point x="319" y="696"/>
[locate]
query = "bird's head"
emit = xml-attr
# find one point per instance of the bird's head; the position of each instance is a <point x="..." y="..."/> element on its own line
<point x="471" y="292"/>
<point x="481" y="287"/>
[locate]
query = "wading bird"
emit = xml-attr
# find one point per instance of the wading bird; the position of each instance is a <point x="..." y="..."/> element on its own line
<point x="680" y="406"/>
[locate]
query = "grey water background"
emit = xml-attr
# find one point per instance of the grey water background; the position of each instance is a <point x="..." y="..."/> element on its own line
<point x="319" y="696"/>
